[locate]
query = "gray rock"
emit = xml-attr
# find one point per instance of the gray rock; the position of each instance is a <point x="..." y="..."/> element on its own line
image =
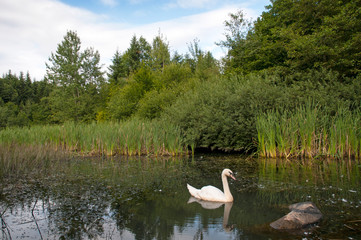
<point x="301" y="215"/>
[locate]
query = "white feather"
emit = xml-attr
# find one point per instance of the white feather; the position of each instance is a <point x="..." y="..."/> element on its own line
<point x="210" y="193"/>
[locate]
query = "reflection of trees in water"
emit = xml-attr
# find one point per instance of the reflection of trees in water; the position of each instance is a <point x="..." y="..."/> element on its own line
<point x="153" y="217"/>
<point x="80" y="201"/>
<point x="74" y="209"/>
<point x="78" y="208"/>
<point x="149" y="198"/>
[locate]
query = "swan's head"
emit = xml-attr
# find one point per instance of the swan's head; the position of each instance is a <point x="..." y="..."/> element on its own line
<point x="228" y="173"/>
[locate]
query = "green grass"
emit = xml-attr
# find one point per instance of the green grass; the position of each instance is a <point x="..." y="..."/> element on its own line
<point x="133" y="137"/>
<point x="309" y="132"/>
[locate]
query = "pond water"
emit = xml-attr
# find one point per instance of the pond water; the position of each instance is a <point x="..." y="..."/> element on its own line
<point x="147" y="198"/>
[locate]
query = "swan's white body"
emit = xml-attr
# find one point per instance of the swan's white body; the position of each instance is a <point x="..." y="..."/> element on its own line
<point x="210" y="193"/>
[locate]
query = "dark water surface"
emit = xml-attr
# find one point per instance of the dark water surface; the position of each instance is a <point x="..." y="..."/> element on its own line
<point x="147" y="198"/>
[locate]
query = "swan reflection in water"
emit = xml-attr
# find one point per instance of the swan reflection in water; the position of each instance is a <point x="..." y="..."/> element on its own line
<point x="215" y="205"/>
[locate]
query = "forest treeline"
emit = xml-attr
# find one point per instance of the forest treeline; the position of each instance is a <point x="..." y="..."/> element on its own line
<point x="297" y="53"/>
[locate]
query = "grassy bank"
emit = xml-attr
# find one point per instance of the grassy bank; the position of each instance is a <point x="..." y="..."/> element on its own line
<point x="309" y="132"/>
<point x="132" y="137"/>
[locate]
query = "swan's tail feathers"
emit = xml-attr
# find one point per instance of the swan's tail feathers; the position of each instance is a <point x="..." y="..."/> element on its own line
<point x="192" y="200"/>
<point x="193" y="191"/>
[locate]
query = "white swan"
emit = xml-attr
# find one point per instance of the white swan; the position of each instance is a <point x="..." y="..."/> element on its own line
<point x="210" y="193"/>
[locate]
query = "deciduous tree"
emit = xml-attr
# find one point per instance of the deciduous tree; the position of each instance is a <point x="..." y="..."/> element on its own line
<point x="77" y="77"/>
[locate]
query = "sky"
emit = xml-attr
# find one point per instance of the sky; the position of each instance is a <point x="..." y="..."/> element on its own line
<point x="30" y="30"/>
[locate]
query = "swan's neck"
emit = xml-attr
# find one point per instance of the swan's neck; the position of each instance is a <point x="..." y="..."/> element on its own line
<point x="226" y="190"/>
<point x="227" y="210"/>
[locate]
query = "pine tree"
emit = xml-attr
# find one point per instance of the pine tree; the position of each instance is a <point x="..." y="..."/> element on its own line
<point x="117" y="69"/>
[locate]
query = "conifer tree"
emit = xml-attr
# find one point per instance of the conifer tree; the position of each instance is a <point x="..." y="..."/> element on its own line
<point x="160" y="52"/>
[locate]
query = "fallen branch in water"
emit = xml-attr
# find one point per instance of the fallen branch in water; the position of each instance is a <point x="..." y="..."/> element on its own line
<point x="350" y="227"/>
<point x="37" y="226"/>
<point x="4" y="226"/>
<point x="353" y="221"/>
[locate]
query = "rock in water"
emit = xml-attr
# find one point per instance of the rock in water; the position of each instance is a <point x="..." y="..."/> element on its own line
<point x="301" y="215"/>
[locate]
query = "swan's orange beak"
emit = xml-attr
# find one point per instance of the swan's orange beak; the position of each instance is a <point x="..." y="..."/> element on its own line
<point x="232" y="176"/>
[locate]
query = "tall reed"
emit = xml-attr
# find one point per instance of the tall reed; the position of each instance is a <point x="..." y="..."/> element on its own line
<point x="133" y="137"/>
<point x="309" y="132"/>
<point x="19" y="159"/>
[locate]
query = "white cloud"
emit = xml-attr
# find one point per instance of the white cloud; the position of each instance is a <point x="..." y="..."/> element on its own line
<point x="31" y="29"/>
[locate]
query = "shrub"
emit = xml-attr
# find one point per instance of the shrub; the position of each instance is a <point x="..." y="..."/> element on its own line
<point x="220" y="113"/>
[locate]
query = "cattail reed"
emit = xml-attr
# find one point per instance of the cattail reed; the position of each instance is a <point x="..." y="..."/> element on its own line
<point x="309" y="132"/>
<point x="133" y="137"/>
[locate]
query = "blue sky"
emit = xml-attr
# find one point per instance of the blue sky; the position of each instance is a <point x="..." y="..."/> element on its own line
<point x="31" y="29"/>
<point x="146" y="11"/>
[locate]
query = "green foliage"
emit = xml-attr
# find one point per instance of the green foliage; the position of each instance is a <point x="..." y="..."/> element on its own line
<point x="123" y="65"/>
<point x="220" y="114"/>
<point x="151" y="89"/>
<point x="21" y="101"/>
<point x="170" y="83"/>
<point x="77" y="78"/>
<point x="117" y="69"/>
<point x="160" y="56"/>
<point x="294" y="36"/>
<point x="124" y="101"/>
<point x="202" y="63"/>
<point x="16" y="89"/>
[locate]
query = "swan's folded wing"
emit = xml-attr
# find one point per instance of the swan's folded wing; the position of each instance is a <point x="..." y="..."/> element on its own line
<point x="210" y="193"/>
<point x="193" y="191"/>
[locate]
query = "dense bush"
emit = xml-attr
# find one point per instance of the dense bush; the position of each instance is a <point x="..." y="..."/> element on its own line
<point x="169" y="84"/>
<point x="221" y="113"/>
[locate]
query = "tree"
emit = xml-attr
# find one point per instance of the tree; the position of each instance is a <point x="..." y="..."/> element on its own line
<point x="203" y="64"/>
<point x="123" y="101"/>
<point x="137" y="54"/>
<point x="237" y="30"/>
<point x="24" y="89"/>
<point x="297" y="36"/>
<point x="77" y="78"/>
<point x="123" y="65"/>
<point x="117" y="70"/>
<point x="65" y="64"/>
<point x="160" y="52"/>
<point x="23" y="102"/>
